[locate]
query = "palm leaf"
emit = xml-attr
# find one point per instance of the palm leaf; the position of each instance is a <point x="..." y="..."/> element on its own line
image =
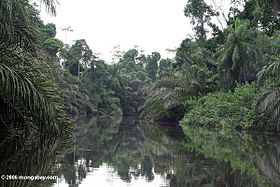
<point x="50" y="5"/>
<point x="21" y="90"/>
<point x="236" y="55"/>
<point x="270" y="103"/>
<point x="270" y="71"/>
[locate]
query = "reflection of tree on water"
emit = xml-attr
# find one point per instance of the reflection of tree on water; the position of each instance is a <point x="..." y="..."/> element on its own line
<point x="269" y="164"/>
<point x="205" y="158"/>
<point x="31" y="155"/>
<point x="117" y="144"/>
<point x="147" y="168"/>
<point x="237" y="155"/>
<point x="123" y="150"/>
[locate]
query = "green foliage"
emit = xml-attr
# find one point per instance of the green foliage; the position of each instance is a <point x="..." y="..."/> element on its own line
<point x="152" y="65"/>
<point x="29" y="94"/>
<point x="132" y="79"/>
<point x="269" y="78"/>
<point x="19" y="89"/>
<point x="188" y="78"/>
<point x="52" y="46"/>
<point x="238" y="54"/>
<point x="247" y="47"/>
<point x="268" y="19"/>
<point x="118" y="87"/>
<point x="132" y="54"/>
<point x="200" y="13"/>
<point x="49" y="30"/>
<point x="78" y="57"/>
<point x="32" y="111"/>
<point x="165" y="67"/>
<point x="15" y="24"/>
<point x="72" y="90"/>
<point x="223" y="109"/>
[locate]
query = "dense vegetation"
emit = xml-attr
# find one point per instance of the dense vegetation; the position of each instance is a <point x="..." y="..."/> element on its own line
<point x="41" y="77"/>
<point x="226" y="76"/>
<point x="45" y="82"/>
<point x="32" y="112"/>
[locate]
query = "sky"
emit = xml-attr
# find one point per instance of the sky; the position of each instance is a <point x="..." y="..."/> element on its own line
<point x="153" y="25"/>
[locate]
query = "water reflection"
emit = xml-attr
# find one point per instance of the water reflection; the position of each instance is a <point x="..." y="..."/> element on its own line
<point x="111" y="146"/>
<point x="30" y="153"/>
<point x="125" y="152"/>
<point x="251" y="160"/>
<point x="128" y="152"/>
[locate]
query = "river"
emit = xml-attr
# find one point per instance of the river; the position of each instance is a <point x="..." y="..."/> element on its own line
<point x="128" y="152"/>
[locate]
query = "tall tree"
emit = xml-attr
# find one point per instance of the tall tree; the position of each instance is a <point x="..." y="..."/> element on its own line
<point x="238" y="53"/>
<point x="165" y="67"/>
<point x="268" y="19"/>
<point x="78" y="57"/>
<point x="200" y="14"/>
<point x="262" y="14"/>
<point x="152" y="65"/>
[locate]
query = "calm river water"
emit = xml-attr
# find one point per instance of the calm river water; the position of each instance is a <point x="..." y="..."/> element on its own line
<point x="114" y="153"/>
<point x="129" y="153"/>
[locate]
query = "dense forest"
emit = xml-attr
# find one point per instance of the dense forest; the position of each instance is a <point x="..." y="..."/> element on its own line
<point x="223" y="77"/>
<point x="219" y="78"/>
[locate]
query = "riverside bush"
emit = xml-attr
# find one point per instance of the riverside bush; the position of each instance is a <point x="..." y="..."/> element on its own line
<point x="224" y="109"/>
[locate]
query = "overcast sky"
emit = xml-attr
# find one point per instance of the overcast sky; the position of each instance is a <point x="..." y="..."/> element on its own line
<point x="154" y="25"/>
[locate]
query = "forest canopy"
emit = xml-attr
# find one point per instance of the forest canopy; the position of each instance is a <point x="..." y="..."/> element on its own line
<point x="47" y="84"/>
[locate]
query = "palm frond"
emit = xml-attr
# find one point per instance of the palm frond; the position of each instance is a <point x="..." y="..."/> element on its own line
<point x="173" y="99"/>
<point x="50" y="5"/>
<point x="235" y="54"/>
<point x="21" y="90"/>
<point x="270" y="71"/>
<point x="11" y="12"/>
<point x="270" y="103"/>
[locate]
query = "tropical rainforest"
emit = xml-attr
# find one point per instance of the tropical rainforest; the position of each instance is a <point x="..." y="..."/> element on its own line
<point x="224" y="76"/>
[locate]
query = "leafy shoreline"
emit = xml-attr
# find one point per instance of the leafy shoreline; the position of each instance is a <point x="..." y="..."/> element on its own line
<point x="221" y="77"/>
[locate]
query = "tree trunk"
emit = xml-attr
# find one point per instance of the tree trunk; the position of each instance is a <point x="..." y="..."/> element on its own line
<point x="235" y="75"/>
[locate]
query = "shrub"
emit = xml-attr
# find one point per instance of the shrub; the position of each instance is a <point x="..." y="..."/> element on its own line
<point x="223" y="109"/>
